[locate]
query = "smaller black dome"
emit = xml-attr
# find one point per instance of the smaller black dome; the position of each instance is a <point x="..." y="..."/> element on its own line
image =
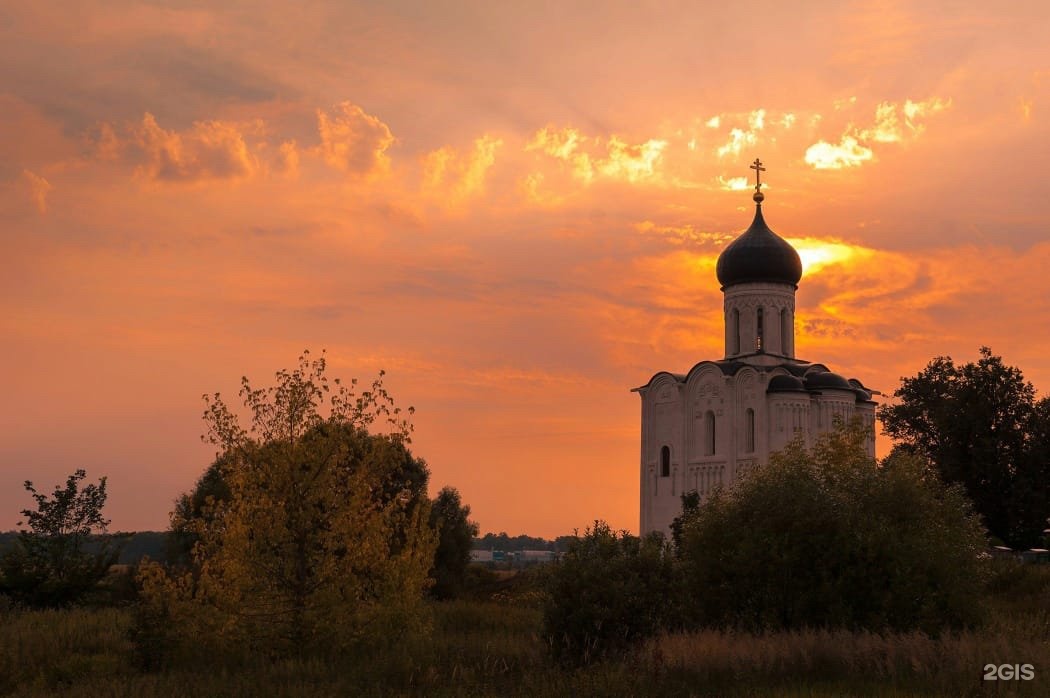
<point x="785" y="384"/>
<point x="826" y="380"/>
<point x="759" y="256"/>
<point x="862" y="395"/>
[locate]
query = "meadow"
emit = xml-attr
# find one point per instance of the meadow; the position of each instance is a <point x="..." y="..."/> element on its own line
<point x="492" y="645"/>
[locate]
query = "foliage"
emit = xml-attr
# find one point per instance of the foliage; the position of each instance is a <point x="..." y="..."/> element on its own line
<point x="979" y="425"/>
<point x="194" y="507"/>
<point x="66" y="551"/>
<point x="450" y="518"/>
<point x="690" y="505"/>
<point x="828" y="538"/>
<point x="609" y="591"/>
<point x="323" y="537"/>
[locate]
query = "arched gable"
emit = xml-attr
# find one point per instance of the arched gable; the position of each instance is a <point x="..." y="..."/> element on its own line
<point x="662" y="388"/>
<point x="657" y="378"/>
<point x="706" y="374"/>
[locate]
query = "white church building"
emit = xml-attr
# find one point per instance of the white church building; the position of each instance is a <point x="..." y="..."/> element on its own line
<point x="704" y="428"/>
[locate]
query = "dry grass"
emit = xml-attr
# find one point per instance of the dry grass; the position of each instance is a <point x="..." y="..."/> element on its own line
<point x="948" y="665"/>
<point x="480" y="648"/>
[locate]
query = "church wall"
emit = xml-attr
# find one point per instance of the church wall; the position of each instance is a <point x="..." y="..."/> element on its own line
<point x="788" y="417"/>
<point x="749" y="442"/>
<point x="663" y="426"/>
<point x="711" y="397"/>
<point x="866" y="411"/>
<point x="831" y="407"/>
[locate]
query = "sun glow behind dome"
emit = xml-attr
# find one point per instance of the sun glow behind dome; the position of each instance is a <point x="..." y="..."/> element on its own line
<point x="817" y="254"/>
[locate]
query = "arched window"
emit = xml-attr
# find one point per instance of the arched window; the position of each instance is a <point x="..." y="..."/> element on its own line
<point x="758" y="330"/>
<point x="749" y="430"/>
<point x="665" y="462"/>
<point x="785" y="332"/>
<point x="709" y="434"/>
<point x="734" y="329"/>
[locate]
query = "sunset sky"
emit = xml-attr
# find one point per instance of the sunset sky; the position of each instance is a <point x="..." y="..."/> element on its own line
<point x="512" y="208"/>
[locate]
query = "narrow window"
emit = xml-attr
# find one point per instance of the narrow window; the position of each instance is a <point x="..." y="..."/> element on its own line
<point x="709" y="434"/>
<point x="665" y="462"/>
<point x="785" y="333"/>
<point x="734" y="341"/>
<point x="749" y="430"/>
<point x="758" y="331"/>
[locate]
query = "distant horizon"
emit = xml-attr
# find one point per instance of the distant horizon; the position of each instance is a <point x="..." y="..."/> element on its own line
<point x="515" y="213"/>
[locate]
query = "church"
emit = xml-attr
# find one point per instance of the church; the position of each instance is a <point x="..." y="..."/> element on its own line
<point x="705" y="428"/>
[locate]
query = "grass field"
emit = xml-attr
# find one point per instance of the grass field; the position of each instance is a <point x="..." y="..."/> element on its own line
<point x="488" y="647"/>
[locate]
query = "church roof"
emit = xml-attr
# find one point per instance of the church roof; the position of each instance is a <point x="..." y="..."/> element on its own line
<point x="826" y="380"/>
<point x="759" y="256"/>
<point x="802" y="377"/>
<point x="785" y="384"/>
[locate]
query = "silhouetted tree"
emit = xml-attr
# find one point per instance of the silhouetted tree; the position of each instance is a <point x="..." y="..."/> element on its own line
<point x="450" y="518"/>
<point x="980" y="425"/>
<point x="66" y="550"/>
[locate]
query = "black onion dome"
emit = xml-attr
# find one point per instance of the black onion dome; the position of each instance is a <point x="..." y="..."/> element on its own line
<point x="785" y="384"/>
<point x="826" y="380"/>
<point x="759" y="256"/>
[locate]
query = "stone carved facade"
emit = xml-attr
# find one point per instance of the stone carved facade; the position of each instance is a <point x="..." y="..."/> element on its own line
<point x="705" y="428"/>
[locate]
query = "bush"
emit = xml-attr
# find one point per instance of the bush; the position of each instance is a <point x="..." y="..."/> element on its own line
<point x="608" y="592"/>
<point x="830" y="538"/>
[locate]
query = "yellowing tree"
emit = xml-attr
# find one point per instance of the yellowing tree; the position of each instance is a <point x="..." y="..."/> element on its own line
<point x="324" y="534"/>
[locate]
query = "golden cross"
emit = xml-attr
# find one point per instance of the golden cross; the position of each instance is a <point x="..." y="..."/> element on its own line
<point x="757" y="167"/>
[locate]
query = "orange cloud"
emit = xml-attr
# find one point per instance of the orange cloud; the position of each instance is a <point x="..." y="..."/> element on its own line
<point x="828" y="156"/>
<point x="455" y="176"/>
<point x="353" y="140"/>
<point x="589" y="158"/>
<point x="734" y="183"/>
<point x="682" y="234"/>
<point x="893" y="123"/>
<point x="38" y="188"/>
<point x="288" y="158"/>
<point x="209" y="150"/>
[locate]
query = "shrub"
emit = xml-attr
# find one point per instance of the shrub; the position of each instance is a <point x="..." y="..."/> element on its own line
<point x="609" y="591"/>
<point x="829" y="538"/>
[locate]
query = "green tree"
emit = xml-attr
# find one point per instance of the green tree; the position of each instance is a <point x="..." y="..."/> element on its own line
<point x="66" y="551"/>
<point x="450" y="518"/>
<point x="829" y="538"/>
<point x="979" y="425"/>
<point x="323" y="534"/>
<point x="609" y="591"/>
